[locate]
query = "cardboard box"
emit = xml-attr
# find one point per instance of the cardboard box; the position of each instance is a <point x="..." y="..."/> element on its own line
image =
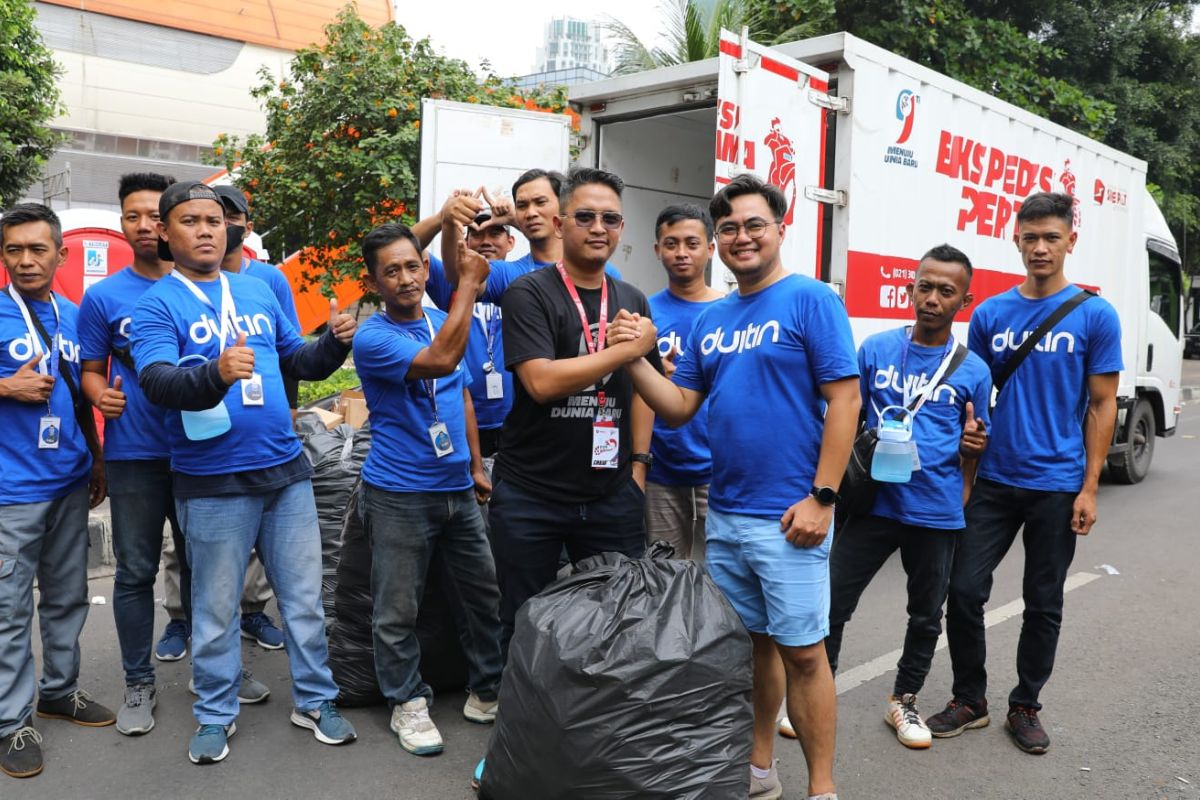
<point x="331" y="419"/>
<point x="353" y="407"/>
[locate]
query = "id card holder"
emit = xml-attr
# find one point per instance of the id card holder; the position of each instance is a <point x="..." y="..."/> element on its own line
<point x="916" y="459"/>
<point x="252" y="390"/>
<point x="439" y="435"/>
<point x="49" y="432"/>
<point x="606" y="443"/>
<point x="495" y="386"/>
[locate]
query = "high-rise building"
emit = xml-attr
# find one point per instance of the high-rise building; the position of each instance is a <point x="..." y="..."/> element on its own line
<point x="572" y="43"/>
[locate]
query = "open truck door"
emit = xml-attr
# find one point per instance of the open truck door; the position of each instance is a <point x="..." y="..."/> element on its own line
<point x="771" y="123"/>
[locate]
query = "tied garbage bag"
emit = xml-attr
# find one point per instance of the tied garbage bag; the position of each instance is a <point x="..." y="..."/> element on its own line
<point x="630" y="679"/>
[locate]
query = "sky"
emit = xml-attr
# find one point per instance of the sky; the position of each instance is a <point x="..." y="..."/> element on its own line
<point x="508" y="34"/>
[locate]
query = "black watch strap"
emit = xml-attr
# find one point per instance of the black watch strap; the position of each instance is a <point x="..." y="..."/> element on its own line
<point x="643" y="458"/>
<point x="825" y="495"/>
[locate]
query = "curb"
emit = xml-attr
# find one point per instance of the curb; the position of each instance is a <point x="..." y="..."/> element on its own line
<point x="1189" y="393"/>
<point x="102" y="563"/>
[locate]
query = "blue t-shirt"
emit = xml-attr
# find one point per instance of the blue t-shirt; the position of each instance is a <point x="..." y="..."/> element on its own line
<point x="272" y="276"/>
<point x="104" y="324"/>
<point x="761" y="360"/>
<point x="29" y="474"/>
<point x="681" y="455"/>
<point x="485" y="343"/>
<point x="505" y="272"/>
<point x="1037" y="437"/>
<point x="171" y="323"/>
<point x="402" y="458"/>
<point x="933" y="497"/>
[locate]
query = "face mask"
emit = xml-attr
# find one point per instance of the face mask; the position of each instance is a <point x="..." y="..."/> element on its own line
<point x="233" y="237"/>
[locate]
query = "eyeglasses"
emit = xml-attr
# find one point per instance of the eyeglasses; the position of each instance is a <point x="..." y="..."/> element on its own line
<point x="611" y="220"/>
<point x="755" y="228"/>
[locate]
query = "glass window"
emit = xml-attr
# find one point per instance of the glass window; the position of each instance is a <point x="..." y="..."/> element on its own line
<point x="1166" y="290"/>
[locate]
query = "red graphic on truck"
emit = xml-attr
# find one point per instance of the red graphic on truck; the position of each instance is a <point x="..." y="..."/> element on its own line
<point x="1067" y="179"/>
<point x="783" y="166"/>
<point x="906" y="112"/>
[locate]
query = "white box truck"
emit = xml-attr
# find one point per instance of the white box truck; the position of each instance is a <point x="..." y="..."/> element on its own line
<point x="881" y="159"/>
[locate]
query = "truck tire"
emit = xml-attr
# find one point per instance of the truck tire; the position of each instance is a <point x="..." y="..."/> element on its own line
<point x="1133" y="465"/>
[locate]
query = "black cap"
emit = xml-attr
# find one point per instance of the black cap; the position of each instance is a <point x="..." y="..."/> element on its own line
<point x="234" y="199"/>
<point x="178" y="193"/>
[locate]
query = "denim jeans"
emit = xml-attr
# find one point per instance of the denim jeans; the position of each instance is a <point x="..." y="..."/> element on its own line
<point x="49" y="540"/>
<point x="994" y="515"/>
<point x="141" y="501"/>
<point x="860" y="548"/>
<point x="405" y="530"/>
<point x="528" y="533"/>
<point x="220" y="533"/>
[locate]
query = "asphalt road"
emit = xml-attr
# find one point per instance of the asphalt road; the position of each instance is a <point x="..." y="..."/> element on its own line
<point x="1120" y="708"/>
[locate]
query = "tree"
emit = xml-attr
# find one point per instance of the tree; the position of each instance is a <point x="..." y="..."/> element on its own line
<point x="692" y="32"/>
<point x="341" y="151"/>
<point x="29" y="99"/>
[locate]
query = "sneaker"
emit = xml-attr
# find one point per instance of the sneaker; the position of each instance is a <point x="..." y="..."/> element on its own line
<point x="823" y="796"/>
<point x="210" y="743"/>
<point x="326" y="723"/>
<point x="77" y="707"/>
<point x="1027" y="732"/>
<point x="174" y="642"/>
<point x="250" y="692"/>
<point x="481" y="711"/>
<point x="21" y="752"/>
<point x="910" y="728"/>
<point x="768" y="788"/>
<point x="261" y="628"/>
<point x="785" y="728"/>
<point x="957" y="717"/>
<point x="477" y="776"/>
<point x="418" y="735"/>
<point x="136" y="715"/>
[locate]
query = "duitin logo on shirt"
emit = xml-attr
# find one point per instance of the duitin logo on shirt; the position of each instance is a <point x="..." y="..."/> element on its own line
<point x="21" y="349"/>
<point x="890" y="376"/>
<point x="672" y="342"/>
<point x="207" y="329"/>
<point x="1052" y="343"/>
<point x="739" y="341"/>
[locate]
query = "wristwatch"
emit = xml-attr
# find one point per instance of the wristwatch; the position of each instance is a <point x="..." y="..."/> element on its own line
<point x="825" y="495"/>
<point x="643" y="458"/>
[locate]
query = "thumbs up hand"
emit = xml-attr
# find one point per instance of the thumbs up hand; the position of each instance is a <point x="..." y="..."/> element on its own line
<point x="974" y="435"/>
<point x="27" y="385"/>
<point x="112" y="401"/>
<point x="342" y="326"/>
<point x="237" y="362"/>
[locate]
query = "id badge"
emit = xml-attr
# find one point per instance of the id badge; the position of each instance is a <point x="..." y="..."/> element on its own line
<point x="252" y="390"/>
<point x="495" y="386"/>
<point x="916" y="459"/>
<point x="440" y="436"/>
<point x="49" y="432"/>
<point x="606" y="444"/>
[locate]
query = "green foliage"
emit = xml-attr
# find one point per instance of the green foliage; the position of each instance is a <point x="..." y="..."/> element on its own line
<point x="345" y="378"/>
<point x="692" y="31"/>
<point x="29" y="99"/>
<point x="341" y="151"/>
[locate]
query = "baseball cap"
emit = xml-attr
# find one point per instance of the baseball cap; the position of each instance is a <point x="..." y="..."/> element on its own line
<point x="233" y="198"/>
<point x="484" y="217"/>
<point x="174" y="195"/>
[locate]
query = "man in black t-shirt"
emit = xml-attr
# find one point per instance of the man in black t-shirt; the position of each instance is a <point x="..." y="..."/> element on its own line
<point x="563" y="474"/>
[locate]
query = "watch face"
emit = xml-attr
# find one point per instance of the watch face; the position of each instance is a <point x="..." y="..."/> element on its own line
<point x="825" y="495"/>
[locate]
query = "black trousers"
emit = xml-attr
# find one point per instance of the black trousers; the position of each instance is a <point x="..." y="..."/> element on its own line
<point x="860" y="548"/>
<point x="994" y="515"/>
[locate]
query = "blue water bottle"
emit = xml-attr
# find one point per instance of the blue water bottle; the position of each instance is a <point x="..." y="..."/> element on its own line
<point x="209" y="423"/>
<point x="892" y="462"/>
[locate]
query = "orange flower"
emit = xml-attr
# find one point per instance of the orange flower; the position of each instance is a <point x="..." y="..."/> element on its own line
<point x="392" y="112"/>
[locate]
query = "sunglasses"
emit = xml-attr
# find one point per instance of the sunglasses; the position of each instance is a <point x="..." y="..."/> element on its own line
<point x="611" y="220"/>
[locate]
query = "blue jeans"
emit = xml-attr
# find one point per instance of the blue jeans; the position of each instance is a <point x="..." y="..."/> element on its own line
<point x="220" y="533"/>
<point x="49" y="540"/>
<point x="995" y="513"/>
<point x="405" y="529"/>
<point x="140" y="496"/>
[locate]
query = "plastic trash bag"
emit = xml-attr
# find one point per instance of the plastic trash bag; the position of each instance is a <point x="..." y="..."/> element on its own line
<point x="630" y="679"/>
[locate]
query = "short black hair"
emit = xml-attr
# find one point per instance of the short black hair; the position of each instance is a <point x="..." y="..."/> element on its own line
<point x="586" y="176"/>
<point x="722" y="206"/>
<point x="25" y="213"/>
<point x="142" y="182"/>
<point x="557" y="179"/>
<point x="678" y="213"/>
<point x="381" y="237"/>
<point x="1048" y="204"/>
<point x="950" y="255"/>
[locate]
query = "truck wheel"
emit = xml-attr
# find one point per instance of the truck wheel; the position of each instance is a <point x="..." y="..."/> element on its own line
<point x="1134" y="464"/>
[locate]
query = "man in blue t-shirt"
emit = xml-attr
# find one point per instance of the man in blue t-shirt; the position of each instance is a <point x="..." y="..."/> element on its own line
<point x="52" y="472"/>
<point x="776" y="363"/>
<point x="424" y="479"/>
<point x="948" y="389"/>
<point x="212" y="348"/>
<point x="1051" y="430"/>
<point x="676" y="470"/>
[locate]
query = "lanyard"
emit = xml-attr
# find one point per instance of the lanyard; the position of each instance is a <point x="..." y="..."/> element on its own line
<point x="602" y="333"/>
<point x="430" y="386"/>
<point x="35" y="339"/>
<point x="927" y="390"/>
<point x="491" y="329"/>
<point x="227" y="312"/>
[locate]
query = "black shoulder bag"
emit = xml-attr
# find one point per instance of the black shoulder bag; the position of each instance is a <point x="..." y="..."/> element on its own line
<point x="1001" y="376"/>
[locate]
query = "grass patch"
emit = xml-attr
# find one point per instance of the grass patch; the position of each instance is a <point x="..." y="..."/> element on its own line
<point x="344" y="378"/>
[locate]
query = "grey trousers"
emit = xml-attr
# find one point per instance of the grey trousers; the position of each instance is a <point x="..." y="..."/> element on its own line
<point x="676" y="514"/>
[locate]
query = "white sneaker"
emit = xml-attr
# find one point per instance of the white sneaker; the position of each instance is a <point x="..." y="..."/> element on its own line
<point x="480" y="711"/>
<point x="785" y="728"/>
<point x="418" y="735"/>
<point x="910" y="728"/>
<point x="768" y="788"/>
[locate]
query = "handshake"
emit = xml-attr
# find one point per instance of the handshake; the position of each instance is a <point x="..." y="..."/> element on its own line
<point x="633" y="332"/>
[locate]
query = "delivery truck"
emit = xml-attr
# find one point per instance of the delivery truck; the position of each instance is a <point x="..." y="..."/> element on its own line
<point x="881" y="159"/>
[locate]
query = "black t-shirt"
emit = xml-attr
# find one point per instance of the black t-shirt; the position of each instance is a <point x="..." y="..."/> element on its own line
<point x="547" y="449"/>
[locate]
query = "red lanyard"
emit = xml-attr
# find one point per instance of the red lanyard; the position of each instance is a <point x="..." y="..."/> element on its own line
<point x="596" y="346"/>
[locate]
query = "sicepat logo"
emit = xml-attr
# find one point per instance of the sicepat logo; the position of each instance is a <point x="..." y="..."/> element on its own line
<point x="889" y="376"/>
<point x="740" y="341"/>
<point x="906" y="112"/>
<point x="783" y="166"/>
<point x="1052" y="343"/>
<point x="206" y="329"/>
<point x="21" y="349"/>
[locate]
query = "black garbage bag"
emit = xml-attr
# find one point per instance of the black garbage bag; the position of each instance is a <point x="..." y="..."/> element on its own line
<point x="630" y="679"/>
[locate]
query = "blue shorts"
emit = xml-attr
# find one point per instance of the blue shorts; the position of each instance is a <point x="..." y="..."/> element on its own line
<point x="775" y="587"/>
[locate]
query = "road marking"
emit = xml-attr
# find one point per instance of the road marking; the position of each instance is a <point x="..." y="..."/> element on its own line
<point x="853" y="678"/>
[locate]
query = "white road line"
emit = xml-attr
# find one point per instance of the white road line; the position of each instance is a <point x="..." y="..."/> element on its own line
<point x="857" y="676"/>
